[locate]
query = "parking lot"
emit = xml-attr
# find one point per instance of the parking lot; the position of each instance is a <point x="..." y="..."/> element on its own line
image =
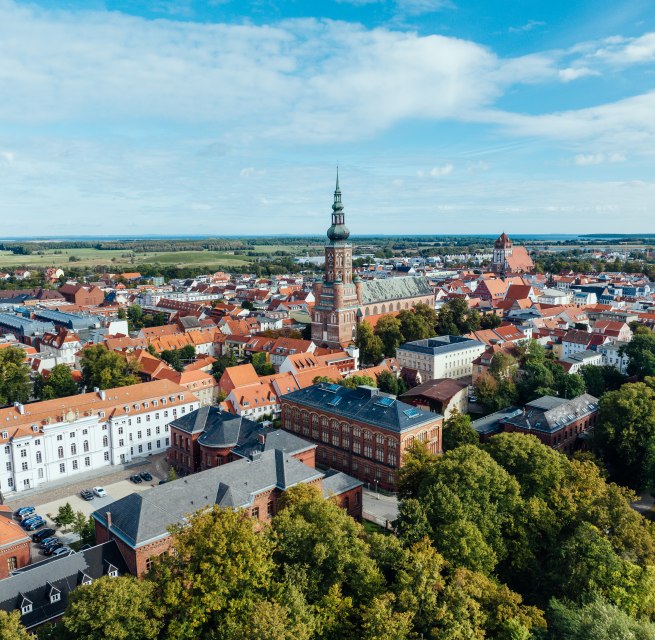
<point x="117" y="485"/>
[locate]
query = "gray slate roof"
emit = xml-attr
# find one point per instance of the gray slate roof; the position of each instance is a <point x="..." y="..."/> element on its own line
<point x="440" y="344"/>
<point x="336" y="482"/>
<point x="219" y="428"/>
<point x="549" y="414"/>
<point x="493" y="423"/>
<point x="364" y="404"/>
<point x="145" y="516"/>
<point x="395" y="289"/>
<point x="63" y="574"/>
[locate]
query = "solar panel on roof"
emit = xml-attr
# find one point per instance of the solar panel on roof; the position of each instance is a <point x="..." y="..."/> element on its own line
<point x="385" y="402"/>
<point x="412" y="413"/>
<point x="333" y="402"/>
<point x="332" y="388"/>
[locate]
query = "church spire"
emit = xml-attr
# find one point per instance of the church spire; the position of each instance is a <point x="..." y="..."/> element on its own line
<point x="338" y="230"/>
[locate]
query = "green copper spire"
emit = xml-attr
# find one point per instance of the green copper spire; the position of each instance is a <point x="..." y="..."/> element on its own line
<point x="338" y="230"/>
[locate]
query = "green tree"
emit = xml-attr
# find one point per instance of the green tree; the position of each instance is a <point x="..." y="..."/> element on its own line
<point x="370" y="346"/>
<point x="14" y="376"/>
<point x="601" y="378"/>
<point x="457" y="431"/>
<point x="490" y="321"/>
<point x="135" y="317"/>
<point x="223" y="362"/>
<point x="221" y="570"/>
<point x="380" y="621"/>
<point x="455" y="318"/>
<point x="11" y="627"/>
<point x="172" y="475"/>
<point x="641" y="353"/>
<point x="173" y="357"/>
<point x="261" y="364"/>
<point x="84" y="527"/>
<point x="415" y="470"/>
<point x="107" y="369"/>
<point x="597" y="619"/>
<point x="356" y="381"/>
<point x="65" y="515"/>
<point x="58" y="384"/>
<point x="388" y="329"/>
<point x="389" y="383"/>
<point x="112" y="609"/>
<point x="418" y="323"/>
<point x="626" y="431"/>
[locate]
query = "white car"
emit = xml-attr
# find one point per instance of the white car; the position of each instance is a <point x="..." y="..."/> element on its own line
<point x="61" y="551"/>
<point x="100" y="492"/>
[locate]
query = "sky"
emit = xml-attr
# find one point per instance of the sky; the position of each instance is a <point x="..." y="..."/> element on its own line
<point x="228" y="117"/>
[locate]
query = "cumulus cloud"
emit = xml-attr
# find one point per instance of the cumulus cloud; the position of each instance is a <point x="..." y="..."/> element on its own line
<point x="573" y="73"/>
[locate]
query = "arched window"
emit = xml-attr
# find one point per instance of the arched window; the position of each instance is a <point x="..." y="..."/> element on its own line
<point x="105" y="441"/>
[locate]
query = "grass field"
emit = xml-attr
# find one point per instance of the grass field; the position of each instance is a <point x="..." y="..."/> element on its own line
<point x="119" y="258"/>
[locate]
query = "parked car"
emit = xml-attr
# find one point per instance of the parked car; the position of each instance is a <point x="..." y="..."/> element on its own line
<point x="27" y="516"/>
<point x="100" y="492"/>
<point x="24" y="511"/>
<point x="163" y="481"/>
<point x="43" y="534"/>
<point x="51" y="550"/>
<point x="28" y="521"/>
<point x="146" y="476"/>
<point x="48" y="542"/>
<point x="136" y="479"/>
<point x="60" y="551"/>
<point x="86" y="494"/>
<point x="473" y="398"/>
<point x="35" y="524"/>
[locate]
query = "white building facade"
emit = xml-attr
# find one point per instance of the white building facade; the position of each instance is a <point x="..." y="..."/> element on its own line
<point x="53" y="440"/>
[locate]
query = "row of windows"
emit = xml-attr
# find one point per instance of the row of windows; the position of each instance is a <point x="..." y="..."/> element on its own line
<point x="336" y="427"/>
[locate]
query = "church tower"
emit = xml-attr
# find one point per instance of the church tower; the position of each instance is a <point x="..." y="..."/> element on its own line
<point x="502" y="251"/>
<point x="334" y="317"/>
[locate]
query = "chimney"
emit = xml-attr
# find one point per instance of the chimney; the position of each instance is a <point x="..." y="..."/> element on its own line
<point x="20" y="407"/>
<point x="262" y="438"/>
<point x="102" y="394"/>
<point x="108" y="518"/>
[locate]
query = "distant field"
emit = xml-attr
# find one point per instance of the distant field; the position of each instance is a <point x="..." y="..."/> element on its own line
<point x="120" y="258"/>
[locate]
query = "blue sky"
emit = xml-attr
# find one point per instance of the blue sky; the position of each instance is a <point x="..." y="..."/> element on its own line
<point x="222" y="117"/>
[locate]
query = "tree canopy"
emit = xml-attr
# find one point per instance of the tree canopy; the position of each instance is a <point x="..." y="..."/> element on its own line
<point x="14" y="376"/>
<point x="107" y="369"/>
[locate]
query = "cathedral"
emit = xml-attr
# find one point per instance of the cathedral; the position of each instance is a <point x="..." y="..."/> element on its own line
<point x="343" y="301"/>
<point x="508" y="258"/>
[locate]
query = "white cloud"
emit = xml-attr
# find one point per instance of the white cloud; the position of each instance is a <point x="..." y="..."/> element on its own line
<point x="573" y="73"/>
<point x="247" y="172"/>
<point x="8" y="156"/>
<point x="530" y="25"/>
<point x="420" y="7"/>
<point x="584" y="160"/>
<point x="445" y="170"/>
<point x="626" y="51"/>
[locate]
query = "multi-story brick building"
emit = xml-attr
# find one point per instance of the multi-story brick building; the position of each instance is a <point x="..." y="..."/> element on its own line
<point x="210" y="437"/>
<point x="140" y="522"/>
<point x="50" y="440"/>
<point x="361" y="431"/>
<point x="559" y="423"/>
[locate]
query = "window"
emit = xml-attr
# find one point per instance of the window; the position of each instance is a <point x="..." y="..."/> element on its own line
<point x="55" y="596"/>
<point x="120" y="431"/>
<point x="38" y="457"/>
<point x="157" y="430"/>
<point x="113" y="573"/>
<point x="26" y="608"/>
<point x="165" y="414"/>
<point x="87" y="461"/>
<point x="60" y="437"/>
<point x="85" y="446"/>
<point x="24" y="466"/>
<point x="138" y="420"/>
<point x="40" y="473"/>
<point x="62" y="468"/>
<point x="356" y="447"/>
<point x="73" y="449"/>
<point x="270" y="512"/>
<point x="9" y="466"/>
<point x="167" y="442"/>
<point x="157" y="416"/>
<point x="121" y="443"/>
<point x="138" y="435"/>
<point x="254" y="512"/>
<point x="72" y="434"/>
<point x="368" y="452"/>
<point x="7" y="449"/>
<point x="148" y="418"/>
<point x="149" y="563"/>
<point x="150" y="446"/>
<point x="148" y="432"/>
<point x="105" y="441"/>
<point x="23" y="453"/>
<point x="74" y="465"/>
<point x="12" y="563"/>
<point x="140" y="448"/>
<point x="5" y="435"/>
<point x="85" y="431"/>
<point x="60" y="452"/>
<point x="158" y="444"/>
<point x="106" y="456"/>
<point x="10" y="482"/>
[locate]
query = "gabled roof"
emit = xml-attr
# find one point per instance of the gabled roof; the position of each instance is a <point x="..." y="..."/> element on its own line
<point x="384" y="290"/>
<point x="36" y="582"/>
<point x="146" y="516"/>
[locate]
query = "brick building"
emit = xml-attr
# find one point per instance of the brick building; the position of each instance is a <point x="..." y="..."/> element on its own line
<point x="210" y="437"/>
<point x="14" y="544"/>
<point x="559" y="423"/>
<point x="140" y="522"/>
<point x="82" y="295"/>
<point x="361" y="431"/>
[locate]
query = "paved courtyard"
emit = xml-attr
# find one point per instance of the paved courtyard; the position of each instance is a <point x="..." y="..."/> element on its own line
<point x="380" y="508"/>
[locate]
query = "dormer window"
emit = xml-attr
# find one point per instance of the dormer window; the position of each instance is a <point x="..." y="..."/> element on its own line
<point x="35" y="428"/>
<point x="126" y="409"/>
<point x="55" y="596"/>
<point x="5" y="435"/>
<point x="26" y="606"/>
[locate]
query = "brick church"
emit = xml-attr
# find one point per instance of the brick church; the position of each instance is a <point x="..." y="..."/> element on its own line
<point x="343" y="301"/>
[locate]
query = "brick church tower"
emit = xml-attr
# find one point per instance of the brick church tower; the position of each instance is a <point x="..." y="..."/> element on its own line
<point x="334" y="317"/>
